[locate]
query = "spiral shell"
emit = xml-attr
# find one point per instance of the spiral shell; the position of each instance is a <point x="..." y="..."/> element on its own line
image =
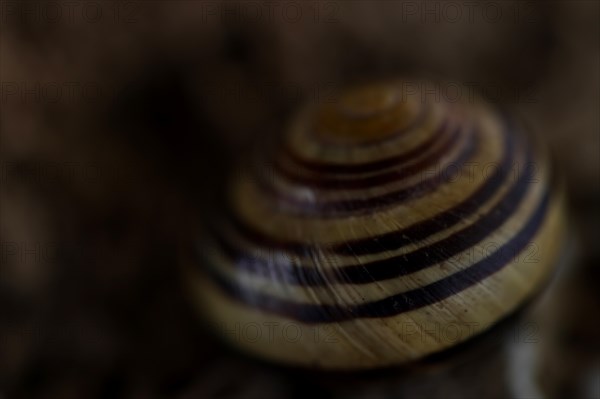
<point x="380" y="229"/>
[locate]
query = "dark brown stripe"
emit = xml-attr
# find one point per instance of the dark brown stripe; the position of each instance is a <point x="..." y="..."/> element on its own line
<point x="395" y="304"/>
<point x="335" y="183"/>
<point x="396" y="266"/>
<point x="366" y="167"/>
<point x="399" y="238"/>
<point x="444" y="249"/>
<point x="368" y="205"/>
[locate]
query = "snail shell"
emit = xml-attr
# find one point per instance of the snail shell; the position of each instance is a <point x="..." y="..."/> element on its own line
<point x="380" y="229"/>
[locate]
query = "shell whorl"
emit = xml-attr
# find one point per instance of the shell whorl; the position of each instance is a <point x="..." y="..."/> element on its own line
<point x="379" y="227"/>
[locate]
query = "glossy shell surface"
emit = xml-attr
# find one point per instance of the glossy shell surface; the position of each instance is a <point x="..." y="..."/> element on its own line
<point x="381" y="229"/>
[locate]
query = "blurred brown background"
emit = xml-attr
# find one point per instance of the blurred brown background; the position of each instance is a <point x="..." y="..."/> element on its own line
<point x="119" y="119"/>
